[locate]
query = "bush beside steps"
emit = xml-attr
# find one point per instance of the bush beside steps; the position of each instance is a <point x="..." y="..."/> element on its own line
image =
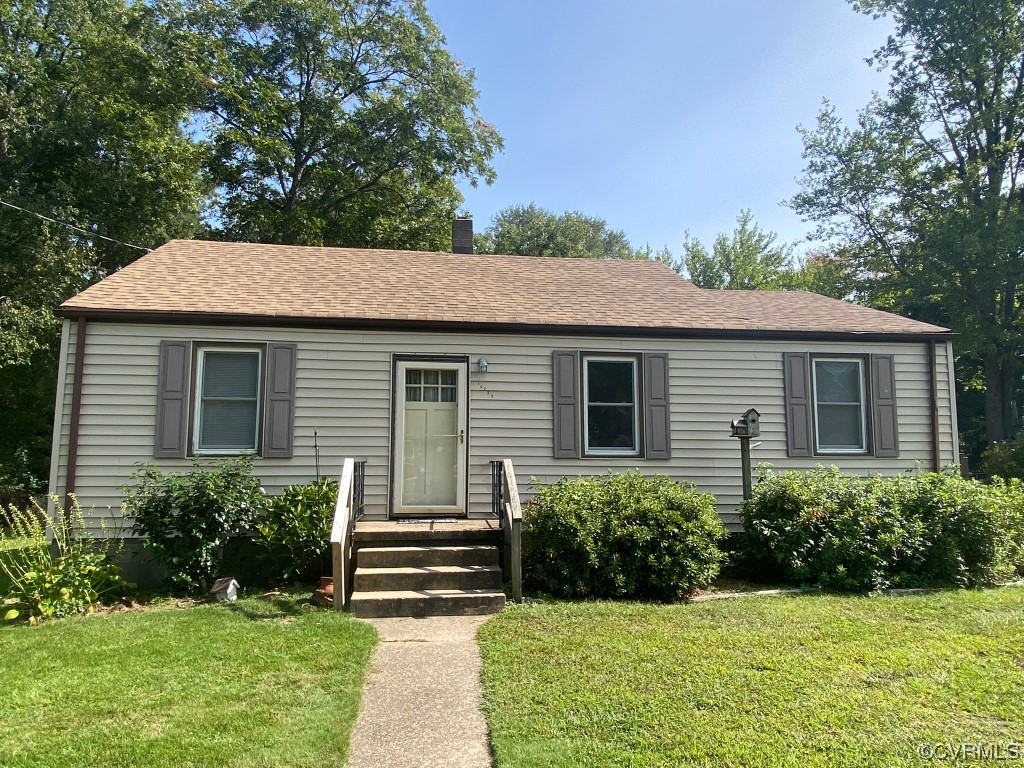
<point x="620" y="536"/>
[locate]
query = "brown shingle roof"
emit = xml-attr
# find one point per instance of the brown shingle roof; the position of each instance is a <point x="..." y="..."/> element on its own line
<point x="240" y="281"/>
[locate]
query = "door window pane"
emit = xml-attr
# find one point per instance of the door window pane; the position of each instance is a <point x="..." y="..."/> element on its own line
<point x="228" y="418"/>
<point x="431" y="386"/>
<point x="839" y="405"/>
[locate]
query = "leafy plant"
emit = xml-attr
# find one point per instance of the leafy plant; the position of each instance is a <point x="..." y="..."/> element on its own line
<point x="621" y="535"/>
<point x="1004" y="459"/>
<point x="296" y="528"/>
<point x="859" y="534"/>
<point x="186" y="519"/>
<point x="71" y="577"/>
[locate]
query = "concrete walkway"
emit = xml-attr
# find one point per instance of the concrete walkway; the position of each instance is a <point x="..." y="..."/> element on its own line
<point x="421" y="706"/>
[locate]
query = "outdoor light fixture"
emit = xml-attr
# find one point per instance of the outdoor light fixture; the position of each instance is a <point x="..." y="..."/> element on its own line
<point x="482" y="364"/>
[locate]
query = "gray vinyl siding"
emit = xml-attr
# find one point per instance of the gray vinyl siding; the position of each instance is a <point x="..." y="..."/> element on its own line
<point x="343" y="391"/>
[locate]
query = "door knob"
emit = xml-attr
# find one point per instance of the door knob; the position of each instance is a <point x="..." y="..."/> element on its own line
<point x="462" y="436"/>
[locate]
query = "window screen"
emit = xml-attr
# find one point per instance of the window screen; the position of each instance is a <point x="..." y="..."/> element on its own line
<point x="839" y="405"/>
<point x="228" y="414"/>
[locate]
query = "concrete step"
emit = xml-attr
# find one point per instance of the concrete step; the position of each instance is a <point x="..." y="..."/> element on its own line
<point x="416" y="533"/>
<point x="427" y="577"/>
<point x="427" y="602"/>
<point x="408" y="557"/>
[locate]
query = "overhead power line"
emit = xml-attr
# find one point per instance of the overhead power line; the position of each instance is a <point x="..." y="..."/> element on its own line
<point x="72" y="226"/>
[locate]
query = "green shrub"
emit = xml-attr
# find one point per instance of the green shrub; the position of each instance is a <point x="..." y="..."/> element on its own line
<point x="71" y="577"/>
<point x="296" y="529"/>
<point x="860" y="534"/>
<point x="1010" y="494"/>
<point x="186" y="519"/>
<point x="622" y="536"/>
<point x="1004" y="459"/>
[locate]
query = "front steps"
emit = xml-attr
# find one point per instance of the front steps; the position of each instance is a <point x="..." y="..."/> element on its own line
<point x="426" y="569"/>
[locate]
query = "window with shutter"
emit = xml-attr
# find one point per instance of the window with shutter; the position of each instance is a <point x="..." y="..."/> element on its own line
<point x="840" y="405"/>
<point x="608" y="404"/>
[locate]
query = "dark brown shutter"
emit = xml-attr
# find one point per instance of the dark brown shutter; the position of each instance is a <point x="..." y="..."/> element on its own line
<point x="885" y="433"/>
<point x="657" y="421"/>
<point x="279" y="402"/>
<point x="566" y="395"/>
<point x="171" y="439"/>
<point x="798" y="403"/>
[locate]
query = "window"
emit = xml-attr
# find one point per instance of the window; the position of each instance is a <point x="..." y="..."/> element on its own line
<point x="228" y="400"/>
<point x="430" y="386"/>
<point x="839" y="412"/>
<point x="611" y="419"/>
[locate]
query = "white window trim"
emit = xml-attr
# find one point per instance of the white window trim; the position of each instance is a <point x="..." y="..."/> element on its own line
<point x="585" y="403"/>
<point x="862" y="451"/>
<point x="198" y="409"/>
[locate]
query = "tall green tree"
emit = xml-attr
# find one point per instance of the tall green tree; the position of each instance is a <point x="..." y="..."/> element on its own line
<point x="94" y="101"/>
<point x="339" y="122"/>
<point x="749" y="258"/>
<point x="529" y="230"/>
<point x="831" y="273"/>
<point x="925" y="188"/>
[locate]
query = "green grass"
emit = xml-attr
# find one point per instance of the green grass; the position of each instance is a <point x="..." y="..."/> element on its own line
<point x="805" y="681"/>
<point x="257" y="683"/>
<point x="16" y="543"/>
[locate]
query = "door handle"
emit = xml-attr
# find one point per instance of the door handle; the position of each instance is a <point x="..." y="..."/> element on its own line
<point x="462" y="436"/>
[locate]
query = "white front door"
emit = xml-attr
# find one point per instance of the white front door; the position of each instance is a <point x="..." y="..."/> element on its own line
<point x="430" y="438"/>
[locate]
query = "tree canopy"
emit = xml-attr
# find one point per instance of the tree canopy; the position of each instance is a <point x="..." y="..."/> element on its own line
<point x="345" y="122"/>
<point x="924" y="190"/>
<point x="339" y="123"/>
<point x="749" y="258"/>
<point x="95" y="97"/>
<point x="528" y="230"/>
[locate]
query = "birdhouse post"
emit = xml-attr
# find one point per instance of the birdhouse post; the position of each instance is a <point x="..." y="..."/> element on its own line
<point x="745" y="427"/>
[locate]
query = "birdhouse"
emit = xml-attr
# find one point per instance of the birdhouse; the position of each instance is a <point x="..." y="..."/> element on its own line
<point x="747" y="425"/>
<point x="225" y="589"/>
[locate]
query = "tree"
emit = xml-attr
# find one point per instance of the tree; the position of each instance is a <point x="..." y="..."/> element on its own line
<point x="749" y="259"/>
<point x="831" y="273"/>
<point x="528" y="230"/>
<point x="925" y="188"/>
<point x="345" y="122"/>
<point x="94" y="95"/>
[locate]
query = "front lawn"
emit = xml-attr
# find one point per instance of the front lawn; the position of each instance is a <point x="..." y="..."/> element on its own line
<point x="263" y="682"/>
<point x="805" y="681"/>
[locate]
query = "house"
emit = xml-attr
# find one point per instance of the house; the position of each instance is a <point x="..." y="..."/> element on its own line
<point x="426" y="367"/>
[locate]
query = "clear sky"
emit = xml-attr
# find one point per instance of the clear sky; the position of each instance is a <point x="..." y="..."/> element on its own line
<point x="658" y="115"/>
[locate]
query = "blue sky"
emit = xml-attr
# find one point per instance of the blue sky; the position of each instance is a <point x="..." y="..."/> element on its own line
<point x="658" y="115"/>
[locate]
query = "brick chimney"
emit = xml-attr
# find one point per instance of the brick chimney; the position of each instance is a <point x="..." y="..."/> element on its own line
<point x="462" y="236"/>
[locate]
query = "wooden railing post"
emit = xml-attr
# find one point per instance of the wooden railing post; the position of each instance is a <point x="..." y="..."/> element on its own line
<point x="513" y="529"/>
<point x="341" y="536"/>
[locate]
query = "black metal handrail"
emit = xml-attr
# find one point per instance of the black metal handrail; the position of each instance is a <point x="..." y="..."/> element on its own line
<point x="498" y="490"/>
<point x="506" y="506"/>
<point x="358" y="485"/>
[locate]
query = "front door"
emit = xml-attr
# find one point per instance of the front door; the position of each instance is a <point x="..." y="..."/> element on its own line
<point x="430" y="438"/>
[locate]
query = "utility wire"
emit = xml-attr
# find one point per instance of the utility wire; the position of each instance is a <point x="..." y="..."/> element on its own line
<point x="72" y="226"/>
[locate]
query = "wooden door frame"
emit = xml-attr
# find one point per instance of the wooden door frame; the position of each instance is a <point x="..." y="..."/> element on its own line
<point x="397" y="358"/>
